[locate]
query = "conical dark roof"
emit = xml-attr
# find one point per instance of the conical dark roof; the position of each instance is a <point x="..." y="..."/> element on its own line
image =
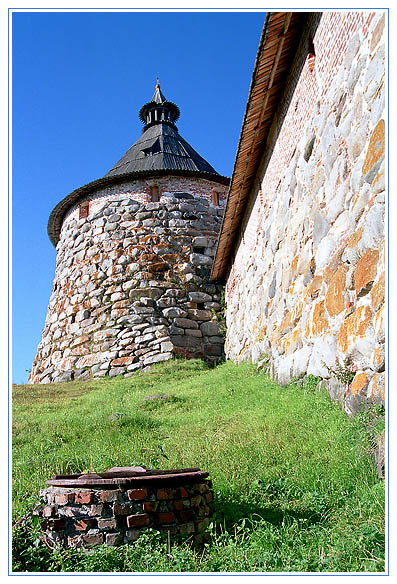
<point x="160" y="147"/>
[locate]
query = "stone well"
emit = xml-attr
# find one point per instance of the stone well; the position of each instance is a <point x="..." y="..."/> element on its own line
<point x="115" y="507"/>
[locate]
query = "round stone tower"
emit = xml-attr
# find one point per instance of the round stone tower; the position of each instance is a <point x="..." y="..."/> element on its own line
<point x="134" y="255"/>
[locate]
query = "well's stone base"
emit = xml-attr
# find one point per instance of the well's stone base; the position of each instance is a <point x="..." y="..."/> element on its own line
<point x="82" y="518"/>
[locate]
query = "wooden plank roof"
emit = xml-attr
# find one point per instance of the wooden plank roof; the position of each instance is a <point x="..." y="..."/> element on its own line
<point x="273" y="60"/>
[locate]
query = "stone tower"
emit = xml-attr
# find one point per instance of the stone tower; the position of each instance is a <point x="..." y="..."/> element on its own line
<point x="134" y="254"/>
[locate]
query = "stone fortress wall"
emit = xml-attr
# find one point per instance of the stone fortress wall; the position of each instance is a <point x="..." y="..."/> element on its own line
<point x="131" y="286"/>
<point x="306" y="291"/>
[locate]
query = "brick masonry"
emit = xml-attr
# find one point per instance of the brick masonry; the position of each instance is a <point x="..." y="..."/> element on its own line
<point x="83" y="518"/>
<point x="306" y="288"/>
<point x="131" y="285"/>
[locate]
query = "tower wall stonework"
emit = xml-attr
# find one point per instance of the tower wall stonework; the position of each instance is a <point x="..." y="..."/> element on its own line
<point x="131" y="286"/>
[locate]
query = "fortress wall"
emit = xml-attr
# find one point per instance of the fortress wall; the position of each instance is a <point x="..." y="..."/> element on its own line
<point x="131" y="286"/>
<point x="306" y="290"/>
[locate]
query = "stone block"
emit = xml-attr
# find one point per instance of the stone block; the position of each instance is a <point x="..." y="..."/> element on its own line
<point x="84" y="524"/>
<point x="48" y="511"/>
<point x="198" y="314"/>
<point x="111" y="496"/>
<point x="365" y="273"/>
<point x="116" y="371"/>
<point x="165" y="518"/>
<point x="186" y="341"/>
<point x="137" y="494"/>
<point x="114" y="539"/>
<point x="123" y="508"/>
<point x="64" y="499"/>
<point x="335" y="297"/>
<point x="95" y="510"/>
<point x="186" y="323"/>
<point x="107" y="523"/>
<point x="84" y="497"/>
<point x="375" y="152"/>
<point x="376" y="389"/>
<point x="210" y="328"/>
<point x="174" y="312"/>
<point x="199" y="297"/>
<point x="165" y="494"/>
<point x="186" y="514"/>
<point x="93" y="539"/>
<point x="157" y="358"/>
<point x="132" y="534"/>
<point x="139" y="520"/>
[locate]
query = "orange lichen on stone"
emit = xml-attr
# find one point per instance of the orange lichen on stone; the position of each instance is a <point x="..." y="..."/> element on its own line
<point x="379" y="324"/>
<point x="333" y="265"/>
<point x="286" y="322"/>
<point x="79" y="341"/>
<point x="290" y="342"/>
<point x="318" y="322"/>
<point x="378" y="292"/>
<point x="365" y="271"/>
<point x="353" y="327"/>
<point x="314" y="287"/>
<point x="296" y="311"/>
<point x="335" y="299"/>
<point x="260" y="333"/>
<point x="355" y="237"/>
<point x="123" y="361"/>
<point x="376" y="147"/>
<point x="378" y="386"/>
<point x="379" y="178"/>
<point x="67" y="363"/>
<point x="379" y="358"/>
<point x="275" y="336"/>
<point x="119" y="312"/>
<point x="80" y="350"/>
<point x="88" y="360"/>
<point x="359" y="383"/>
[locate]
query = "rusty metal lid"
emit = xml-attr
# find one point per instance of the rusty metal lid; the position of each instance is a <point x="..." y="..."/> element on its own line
<point x="134" y="475"/>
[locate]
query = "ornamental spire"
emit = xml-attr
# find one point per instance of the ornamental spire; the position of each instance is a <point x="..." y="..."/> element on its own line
<point x="159" y="110"/>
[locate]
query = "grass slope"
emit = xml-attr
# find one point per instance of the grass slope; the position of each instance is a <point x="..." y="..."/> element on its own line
<point x="295" y="489"/>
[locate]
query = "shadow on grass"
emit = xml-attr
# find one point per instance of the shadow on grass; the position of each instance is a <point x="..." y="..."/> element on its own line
<point x="228" y="514"/>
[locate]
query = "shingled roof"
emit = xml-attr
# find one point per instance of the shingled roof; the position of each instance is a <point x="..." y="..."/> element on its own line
<point x="159" y="151"/>
<point x="161" y="147"/>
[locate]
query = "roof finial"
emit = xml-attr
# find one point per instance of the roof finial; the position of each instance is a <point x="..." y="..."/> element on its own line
<point x="158" y="84"/>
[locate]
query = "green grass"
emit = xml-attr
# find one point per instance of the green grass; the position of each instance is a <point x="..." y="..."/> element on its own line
<point x="295" y="489"/>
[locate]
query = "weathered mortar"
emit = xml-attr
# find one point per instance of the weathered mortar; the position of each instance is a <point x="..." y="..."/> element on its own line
<point x="306" y="289"/>
<point x="131" y="285"/>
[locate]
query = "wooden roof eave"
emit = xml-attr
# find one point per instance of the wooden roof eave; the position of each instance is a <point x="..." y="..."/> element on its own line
<point x="274" y="53"/>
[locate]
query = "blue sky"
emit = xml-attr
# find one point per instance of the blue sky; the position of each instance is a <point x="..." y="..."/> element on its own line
<point x="78" y="82"/>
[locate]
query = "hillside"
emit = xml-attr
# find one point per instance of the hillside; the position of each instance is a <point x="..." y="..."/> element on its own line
<point x="295" y="489"/>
